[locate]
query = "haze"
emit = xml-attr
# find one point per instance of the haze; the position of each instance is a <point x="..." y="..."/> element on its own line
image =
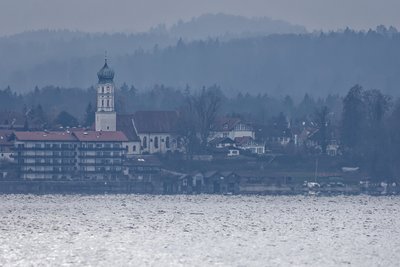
<point x="140" y="15"/>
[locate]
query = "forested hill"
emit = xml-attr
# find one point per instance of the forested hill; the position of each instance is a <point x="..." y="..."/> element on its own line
<point x="274" y="64"/>
<point x="226" y="26"/>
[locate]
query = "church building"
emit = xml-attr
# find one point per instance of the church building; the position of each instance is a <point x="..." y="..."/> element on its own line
<point x="148" y="132"/>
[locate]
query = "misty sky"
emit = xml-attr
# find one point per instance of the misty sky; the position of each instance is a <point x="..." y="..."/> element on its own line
<point x="140" y="15"/>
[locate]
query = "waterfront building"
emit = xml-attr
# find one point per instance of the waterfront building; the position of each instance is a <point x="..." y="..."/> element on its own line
<point x="100" y="154"/>
<point x="46" y="155"/>
<point x="69" y="155"/>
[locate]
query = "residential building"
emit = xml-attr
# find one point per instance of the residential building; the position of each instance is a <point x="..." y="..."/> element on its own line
<point x="46" y="155"/>
<point x="232" y="128"/>
<point x="249" y="144"/>
<point x="69" y="155"/>
<point x="100" y="154"/>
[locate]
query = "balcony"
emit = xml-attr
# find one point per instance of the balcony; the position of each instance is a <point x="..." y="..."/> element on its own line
<point x="47" y="164"/>
<point x="101" y="149"/>
<point x="99" y="164"/>
<point x="102" y="156"/>
<point x="43" y="156"/>
<point x="45" y="149"/>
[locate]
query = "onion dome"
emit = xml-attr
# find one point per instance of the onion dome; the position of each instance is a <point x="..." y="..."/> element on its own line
<point x="106" y="74"/>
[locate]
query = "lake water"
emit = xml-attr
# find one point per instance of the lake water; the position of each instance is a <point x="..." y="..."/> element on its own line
<point x="121" y="230"/>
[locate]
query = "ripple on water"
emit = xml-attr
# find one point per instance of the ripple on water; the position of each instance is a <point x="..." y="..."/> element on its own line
<point x="199" y="230"/>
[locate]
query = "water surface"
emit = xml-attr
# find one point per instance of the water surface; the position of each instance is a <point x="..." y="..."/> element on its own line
<point x="120" y="230"/>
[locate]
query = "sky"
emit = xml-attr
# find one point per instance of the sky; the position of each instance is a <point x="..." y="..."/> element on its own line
<point x="140" y="15"/>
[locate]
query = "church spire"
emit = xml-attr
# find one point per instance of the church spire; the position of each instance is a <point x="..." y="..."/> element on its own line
<point x="105" y="115"/>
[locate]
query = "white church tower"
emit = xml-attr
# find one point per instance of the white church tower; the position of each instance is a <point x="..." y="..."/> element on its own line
<point x="106" y="117"/>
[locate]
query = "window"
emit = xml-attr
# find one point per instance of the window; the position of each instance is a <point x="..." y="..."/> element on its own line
<point x="134" y="148"/>
<point x="145" y="142"/>
<point x="102" y="89"/>
<point x="156" y="142"/>
<point x="167" y="142"/>
<point x="102" y="102"/>
<point x="108" y="102"/>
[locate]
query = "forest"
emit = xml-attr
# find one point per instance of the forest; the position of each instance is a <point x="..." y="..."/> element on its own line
<point x="318" y="63"/>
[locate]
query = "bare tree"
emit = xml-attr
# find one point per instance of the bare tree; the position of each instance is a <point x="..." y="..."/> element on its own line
<point x="322" y="123"/>
<point x="197" y="117"/>
<point x="206" y="105"/>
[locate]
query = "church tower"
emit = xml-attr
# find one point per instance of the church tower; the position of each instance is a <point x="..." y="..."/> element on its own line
<point x="106" y="117"/>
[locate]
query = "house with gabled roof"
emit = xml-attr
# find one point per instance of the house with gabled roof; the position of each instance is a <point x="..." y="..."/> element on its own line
<point x="231" y="127"/>
<point x="249" y="144"/>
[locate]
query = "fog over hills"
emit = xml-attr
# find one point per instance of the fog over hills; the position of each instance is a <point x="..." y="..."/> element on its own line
<point x="227" y="26"/>
<point x="256" y="55"/>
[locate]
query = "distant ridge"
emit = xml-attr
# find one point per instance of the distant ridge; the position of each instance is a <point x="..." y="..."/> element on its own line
<point x="223" y="25"/>
<point x="238" y="54"/>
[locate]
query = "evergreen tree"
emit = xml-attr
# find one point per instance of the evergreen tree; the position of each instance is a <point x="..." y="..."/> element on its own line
<point x="353" y="117"/>
<point x="66" y="120"/>
<point x="89" y="115"/>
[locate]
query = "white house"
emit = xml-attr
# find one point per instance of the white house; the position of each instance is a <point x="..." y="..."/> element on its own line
<point x="232" y="128"/>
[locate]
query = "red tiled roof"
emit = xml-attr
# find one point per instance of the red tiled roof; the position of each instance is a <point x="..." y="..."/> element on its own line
<point x="156" y="121"/>
<point x="44" y="136"/>
<point x="92" y="136"/>
<point x="125" y="125"/>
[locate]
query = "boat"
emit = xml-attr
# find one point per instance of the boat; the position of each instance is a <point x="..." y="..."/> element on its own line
<point x="314" y="187"/>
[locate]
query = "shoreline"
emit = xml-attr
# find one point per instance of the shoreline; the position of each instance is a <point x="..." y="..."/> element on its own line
<point x="134" y="187"/>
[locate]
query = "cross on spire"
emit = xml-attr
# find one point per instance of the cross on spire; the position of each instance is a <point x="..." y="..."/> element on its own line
<point x="105" y="56"/>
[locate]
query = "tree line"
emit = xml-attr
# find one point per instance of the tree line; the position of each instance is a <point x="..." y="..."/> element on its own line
<point x="365" y="122"/>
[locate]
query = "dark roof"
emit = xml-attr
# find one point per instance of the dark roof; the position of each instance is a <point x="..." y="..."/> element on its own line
<point x="225" y="124"/>
<point x="105" y="74"/>
<point x="126" y="125"/>
<point x="156" y="121"/>
<point x="92" y="136"/>
<point x="209" y="174"/>
<point x="272" y="131"/>
<point x="44" y="136"/>
<point x="5" y="137"/>
<point x="221" y="140"/>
